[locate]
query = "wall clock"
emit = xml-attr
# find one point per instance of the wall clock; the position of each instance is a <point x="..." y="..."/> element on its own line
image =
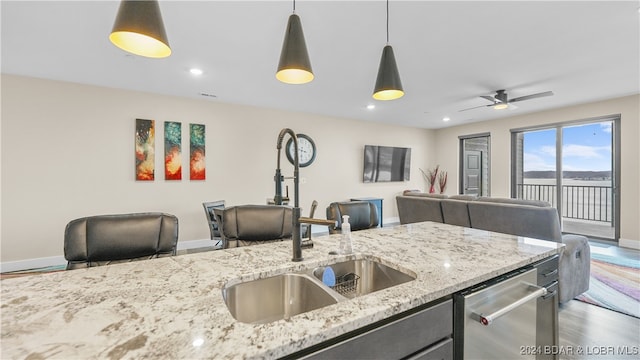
<point x="306" y="150"/>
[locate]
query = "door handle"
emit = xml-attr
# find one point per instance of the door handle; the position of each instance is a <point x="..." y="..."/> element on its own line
<point x="487" y="319"/>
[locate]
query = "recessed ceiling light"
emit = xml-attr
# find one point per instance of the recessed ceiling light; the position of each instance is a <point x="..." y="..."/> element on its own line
<point x="446" y="118"/>
<point x="371" y="106"/>
<point x="195" y="71"/>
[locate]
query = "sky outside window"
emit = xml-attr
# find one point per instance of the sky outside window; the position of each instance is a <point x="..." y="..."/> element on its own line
<point x="585" y="148"/>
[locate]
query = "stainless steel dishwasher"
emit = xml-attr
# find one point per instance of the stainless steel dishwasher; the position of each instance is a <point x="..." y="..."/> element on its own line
<point x="498" y="319"/>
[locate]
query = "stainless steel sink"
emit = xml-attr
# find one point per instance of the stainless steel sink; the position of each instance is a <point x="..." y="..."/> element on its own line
<point x="275" y="298"/>
<point x="285" y="295"/>
<point x="370" y="276"/>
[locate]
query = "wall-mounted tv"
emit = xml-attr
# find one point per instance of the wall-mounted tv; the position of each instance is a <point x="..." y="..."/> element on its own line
<point x="386" y="163"/>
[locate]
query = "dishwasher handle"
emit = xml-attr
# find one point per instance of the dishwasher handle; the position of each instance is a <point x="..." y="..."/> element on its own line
<point x="489" y="318"/>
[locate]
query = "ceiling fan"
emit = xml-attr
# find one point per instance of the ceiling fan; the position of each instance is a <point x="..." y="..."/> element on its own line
<point x="501" y="100"/>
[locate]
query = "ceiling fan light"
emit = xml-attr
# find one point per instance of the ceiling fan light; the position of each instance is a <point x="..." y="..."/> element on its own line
<point x="388" y="84"/>
<point x="139" y="29"/>
<point x="294" y="66"/>
<point x="501" y="106"/>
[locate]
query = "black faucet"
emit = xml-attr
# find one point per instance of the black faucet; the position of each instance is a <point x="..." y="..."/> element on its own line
<point x="297" y="219"/>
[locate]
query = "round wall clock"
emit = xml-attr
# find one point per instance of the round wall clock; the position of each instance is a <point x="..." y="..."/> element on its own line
<point x="306" y="150"/>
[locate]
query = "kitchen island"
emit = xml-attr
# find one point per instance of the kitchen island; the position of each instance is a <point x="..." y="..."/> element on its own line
<point x="173" y="307"/>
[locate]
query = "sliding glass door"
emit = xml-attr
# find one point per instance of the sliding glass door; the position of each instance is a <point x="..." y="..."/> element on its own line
<point x="574" y="167"/>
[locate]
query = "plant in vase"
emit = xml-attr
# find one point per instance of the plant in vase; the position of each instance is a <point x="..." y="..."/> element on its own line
<point x="442" y="181"/>
<point x="430" y="176"/>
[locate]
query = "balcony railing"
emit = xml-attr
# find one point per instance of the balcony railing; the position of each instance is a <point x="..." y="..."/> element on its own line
<point x="578" y="201"/>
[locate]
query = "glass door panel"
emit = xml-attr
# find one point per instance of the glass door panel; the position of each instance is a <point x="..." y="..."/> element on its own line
<point x="537" y="173"/>
<point x="587" y="179"/>
<point x="571" y="167"/>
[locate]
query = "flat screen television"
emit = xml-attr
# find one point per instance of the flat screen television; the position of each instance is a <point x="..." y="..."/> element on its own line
<point x="386" y="163"/>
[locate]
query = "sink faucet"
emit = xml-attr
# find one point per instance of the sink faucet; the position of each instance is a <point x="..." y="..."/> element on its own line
<point x="297" y="219"/>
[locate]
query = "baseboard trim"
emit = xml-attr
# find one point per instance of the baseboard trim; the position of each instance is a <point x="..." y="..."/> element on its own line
<point x="37" y="263"/>
<point x="194" y="244"/>
<point x="29" y="264"/>
<point x="391" y="221"/>
<point x="628" y="243"/>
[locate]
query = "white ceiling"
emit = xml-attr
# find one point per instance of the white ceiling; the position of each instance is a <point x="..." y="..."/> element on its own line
<point x="448" y="53"/>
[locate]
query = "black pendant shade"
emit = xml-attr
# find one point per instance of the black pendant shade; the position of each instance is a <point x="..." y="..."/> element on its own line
<point x="139" y="29"/>
<point x="294" y="66"/>
<point x="388" y="84"/>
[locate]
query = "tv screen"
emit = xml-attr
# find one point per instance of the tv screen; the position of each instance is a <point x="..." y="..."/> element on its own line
<point x="385" y="163"/>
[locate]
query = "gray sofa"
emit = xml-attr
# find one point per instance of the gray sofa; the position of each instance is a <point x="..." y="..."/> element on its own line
<point x="530" y="218"/>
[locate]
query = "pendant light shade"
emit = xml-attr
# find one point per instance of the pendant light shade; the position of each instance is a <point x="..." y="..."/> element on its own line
<point x="388" y="84"/>
<point x="294" y="66"/>
<point x="139" y="29"/>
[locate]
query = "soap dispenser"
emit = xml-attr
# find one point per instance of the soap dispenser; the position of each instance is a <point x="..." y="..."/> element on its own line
<point x="345" y="241"/>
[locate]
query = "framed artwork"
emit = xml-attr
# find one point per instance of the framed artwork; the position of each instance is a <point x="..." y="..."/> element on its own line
<point x="145" y="150"/>
<point x="172" y="150"/>
<point x="197" y="164"/>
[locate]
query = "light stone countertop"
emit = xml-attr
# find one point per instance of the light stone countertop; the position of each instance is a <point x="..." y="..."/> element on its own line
<point x="172" y="308"/>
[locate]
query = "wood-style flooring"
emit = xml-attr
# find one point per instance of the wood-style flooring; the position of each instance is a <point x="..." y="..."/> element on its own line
<point x="598" y="332"/>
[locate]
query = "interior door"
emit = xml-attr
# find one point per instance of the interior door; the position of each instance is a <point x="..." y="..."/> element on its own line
<point x="472" y="172"/>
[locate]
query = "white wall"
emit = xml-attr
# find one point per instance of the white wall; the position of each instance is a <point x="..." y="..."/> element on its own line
<point x="447" y="145"/>
<point x="68" y="152"/>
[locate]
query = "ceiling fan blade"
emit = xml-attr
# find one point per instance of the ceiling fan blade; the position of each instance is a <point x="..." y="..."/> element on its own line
<point x="532" y="96"/>
<point x="475" y="107"/>
<point x="490" y="98"/>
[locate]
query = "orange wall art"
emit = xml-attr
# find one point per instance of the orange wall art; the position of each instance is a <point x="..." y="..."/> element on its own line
<point x="145" y="149"/>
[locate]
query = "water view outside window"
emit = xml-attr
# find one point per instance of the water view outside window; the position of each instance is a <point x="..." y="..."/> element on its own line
<point x="586" y="194"/>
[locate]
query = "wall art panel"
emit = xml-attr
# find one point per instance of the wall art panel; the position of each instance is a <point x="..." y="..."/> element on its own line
<point x="172" y="150"/>
<point x="197" y="164"/>
<point x="145" y="149"/>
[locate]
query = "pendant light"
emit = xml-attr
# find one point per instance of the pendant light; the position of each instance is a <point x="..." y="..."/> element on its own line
<point x="388" y="84"/>
<point x="139" y="29"/>
<point x="294" y="66"/>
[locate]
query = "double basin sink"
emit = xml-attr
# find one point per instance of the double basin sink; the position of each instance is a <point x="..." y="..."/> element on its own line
<point x="285" y="295"/>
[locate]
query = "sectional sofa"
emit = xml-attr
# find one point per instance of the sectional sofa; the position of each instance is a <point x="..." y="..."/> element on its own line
<point x="530" y="218"/>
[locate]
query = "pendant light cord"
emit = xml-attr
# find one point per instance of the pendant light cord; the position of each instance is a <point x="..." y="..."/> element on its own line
<point x="387" y="22"/>
<point x="294" y="6"/>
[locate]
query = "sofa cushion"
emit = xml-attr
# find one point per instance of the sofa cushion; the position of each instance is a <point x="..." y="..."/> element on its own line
<point x="521" y="220"/>
<point x="412" y="209"/>
<point x="427" y="195"/>
<point x="539" y="203"/>
<point x="576" y="257"/>
<point x="464" y="197"/>
<point x="455" y="212"/>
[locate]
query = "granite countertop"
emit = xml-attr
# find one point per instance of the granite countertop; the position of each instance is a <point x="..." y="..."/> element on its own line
<point x="173" y="307"/>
